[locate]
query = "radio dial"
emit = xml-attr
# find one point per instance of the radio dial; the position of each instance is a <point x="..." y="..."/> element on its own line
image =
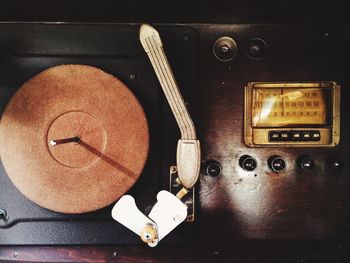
<point x="335" y="163"/>
<point x="247" y="163"/>
<point x="277" y="163"/>
<point x="213" y="168"/>
<point x="307" y="163"/>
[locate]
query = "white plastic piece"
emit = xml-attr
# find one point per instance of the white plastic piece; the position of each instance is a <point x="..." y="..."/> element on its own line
<point x="167" y="213"/>
<point x="188" y="162"/>
<point x="126" y="213"/>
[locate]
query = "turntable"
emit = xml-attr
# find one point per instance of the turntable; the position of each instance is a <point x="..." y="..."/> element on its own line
<point x="75" y="139"/>
<point x="174" y="141"/>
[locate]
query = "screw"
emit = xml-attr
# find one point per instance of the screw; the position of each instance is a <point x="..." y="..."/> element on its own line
<point x="132" y="76"/>
<point x="224" y="48"/>
<point x="3" y="214"/>
<point x="147" y="236"/>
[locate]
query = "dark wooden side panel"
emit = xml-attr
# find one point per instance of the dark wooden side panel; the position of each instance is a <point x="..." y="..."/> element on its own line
<point x="294" y="204"/>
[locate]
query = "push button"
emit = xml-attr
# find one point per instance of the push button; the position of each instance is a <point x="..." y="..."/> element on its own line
<point x="315" y="135"/>
<point x="296" y="135"/>
<point x="306" y="135"/>
<point x="274" y="136"/>
<point x="284" y="135"/>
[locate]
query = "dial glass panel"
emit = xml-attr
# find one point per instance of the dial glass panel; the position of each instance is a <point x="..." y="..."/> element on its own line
<point x="291" y="107"/>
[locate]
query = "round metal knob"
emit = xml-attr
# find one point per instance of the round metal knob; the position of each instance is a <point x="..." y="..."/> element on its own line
<point x="277" y="163"/>
<point x="307" y="163"/>
<point x="225" y="49"/>
<point x="335" y="163"/>
<point x="247" y="163"/>
<point x="213" y="168"/>
<point x="256" y="48"/>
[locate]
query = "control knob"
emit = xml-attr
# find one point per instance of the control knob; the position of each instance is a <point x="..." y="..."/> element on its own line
<point x="277" y="163"/>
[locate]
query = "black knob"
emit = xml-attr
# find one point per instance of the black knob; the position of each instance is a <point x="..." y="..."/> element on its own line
<point x="335" y="163"/>
<point x="256" y="48"/>
<point x="225" y="49"/>
<point x="247" y="163"/>
<point x="277" y="163"/>
<point x="213" y="168"/>
<point x="306" y="163"/>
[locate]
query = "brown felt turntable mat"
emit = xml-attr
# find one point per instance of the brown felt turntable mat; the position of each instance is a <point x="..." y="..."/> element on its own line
<point x="74" y="101"/>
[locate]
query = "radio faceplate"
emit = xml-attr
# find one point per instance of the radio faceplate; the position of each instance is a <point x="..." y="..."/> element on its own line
<point x="275" y="192"/>
<point x="292" y="114"/>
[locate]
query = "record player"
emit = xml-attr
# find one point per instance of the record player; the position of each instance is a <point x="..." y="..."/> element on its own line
<point x="148" y="119"/>
<point x="190" y="137"/>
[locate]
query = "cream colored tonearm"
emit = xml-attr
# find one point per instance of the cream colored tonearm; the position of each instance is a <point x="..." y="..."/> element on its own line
<point x="169" y="211"/>
<point x="188" y="148"/>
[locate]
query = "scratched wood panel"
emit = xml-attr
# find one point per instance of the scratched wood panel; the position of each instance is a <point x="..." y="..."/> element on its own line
<point x="294" y="204"/>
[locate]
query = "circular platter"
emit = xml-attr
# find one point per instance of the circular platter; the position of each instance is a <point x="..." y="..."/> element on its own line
<point x="73" y="139"/>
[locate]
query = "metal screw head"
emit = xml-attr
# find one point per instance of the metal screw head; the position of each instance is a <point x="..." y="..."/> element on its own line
<point x="148" y="234"/>
<point x="225" y="49"/>
<point x="3" y="214"/>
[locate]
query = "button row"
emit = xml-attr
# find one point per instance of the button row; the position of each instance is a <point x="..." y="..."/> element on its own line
<point x="276" y="163"/>
<point x="294" y="136"/>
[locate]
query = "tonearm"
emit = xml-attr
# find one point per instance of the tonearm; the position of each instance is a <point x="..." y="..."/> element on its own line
<point x="169" y="211"/>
